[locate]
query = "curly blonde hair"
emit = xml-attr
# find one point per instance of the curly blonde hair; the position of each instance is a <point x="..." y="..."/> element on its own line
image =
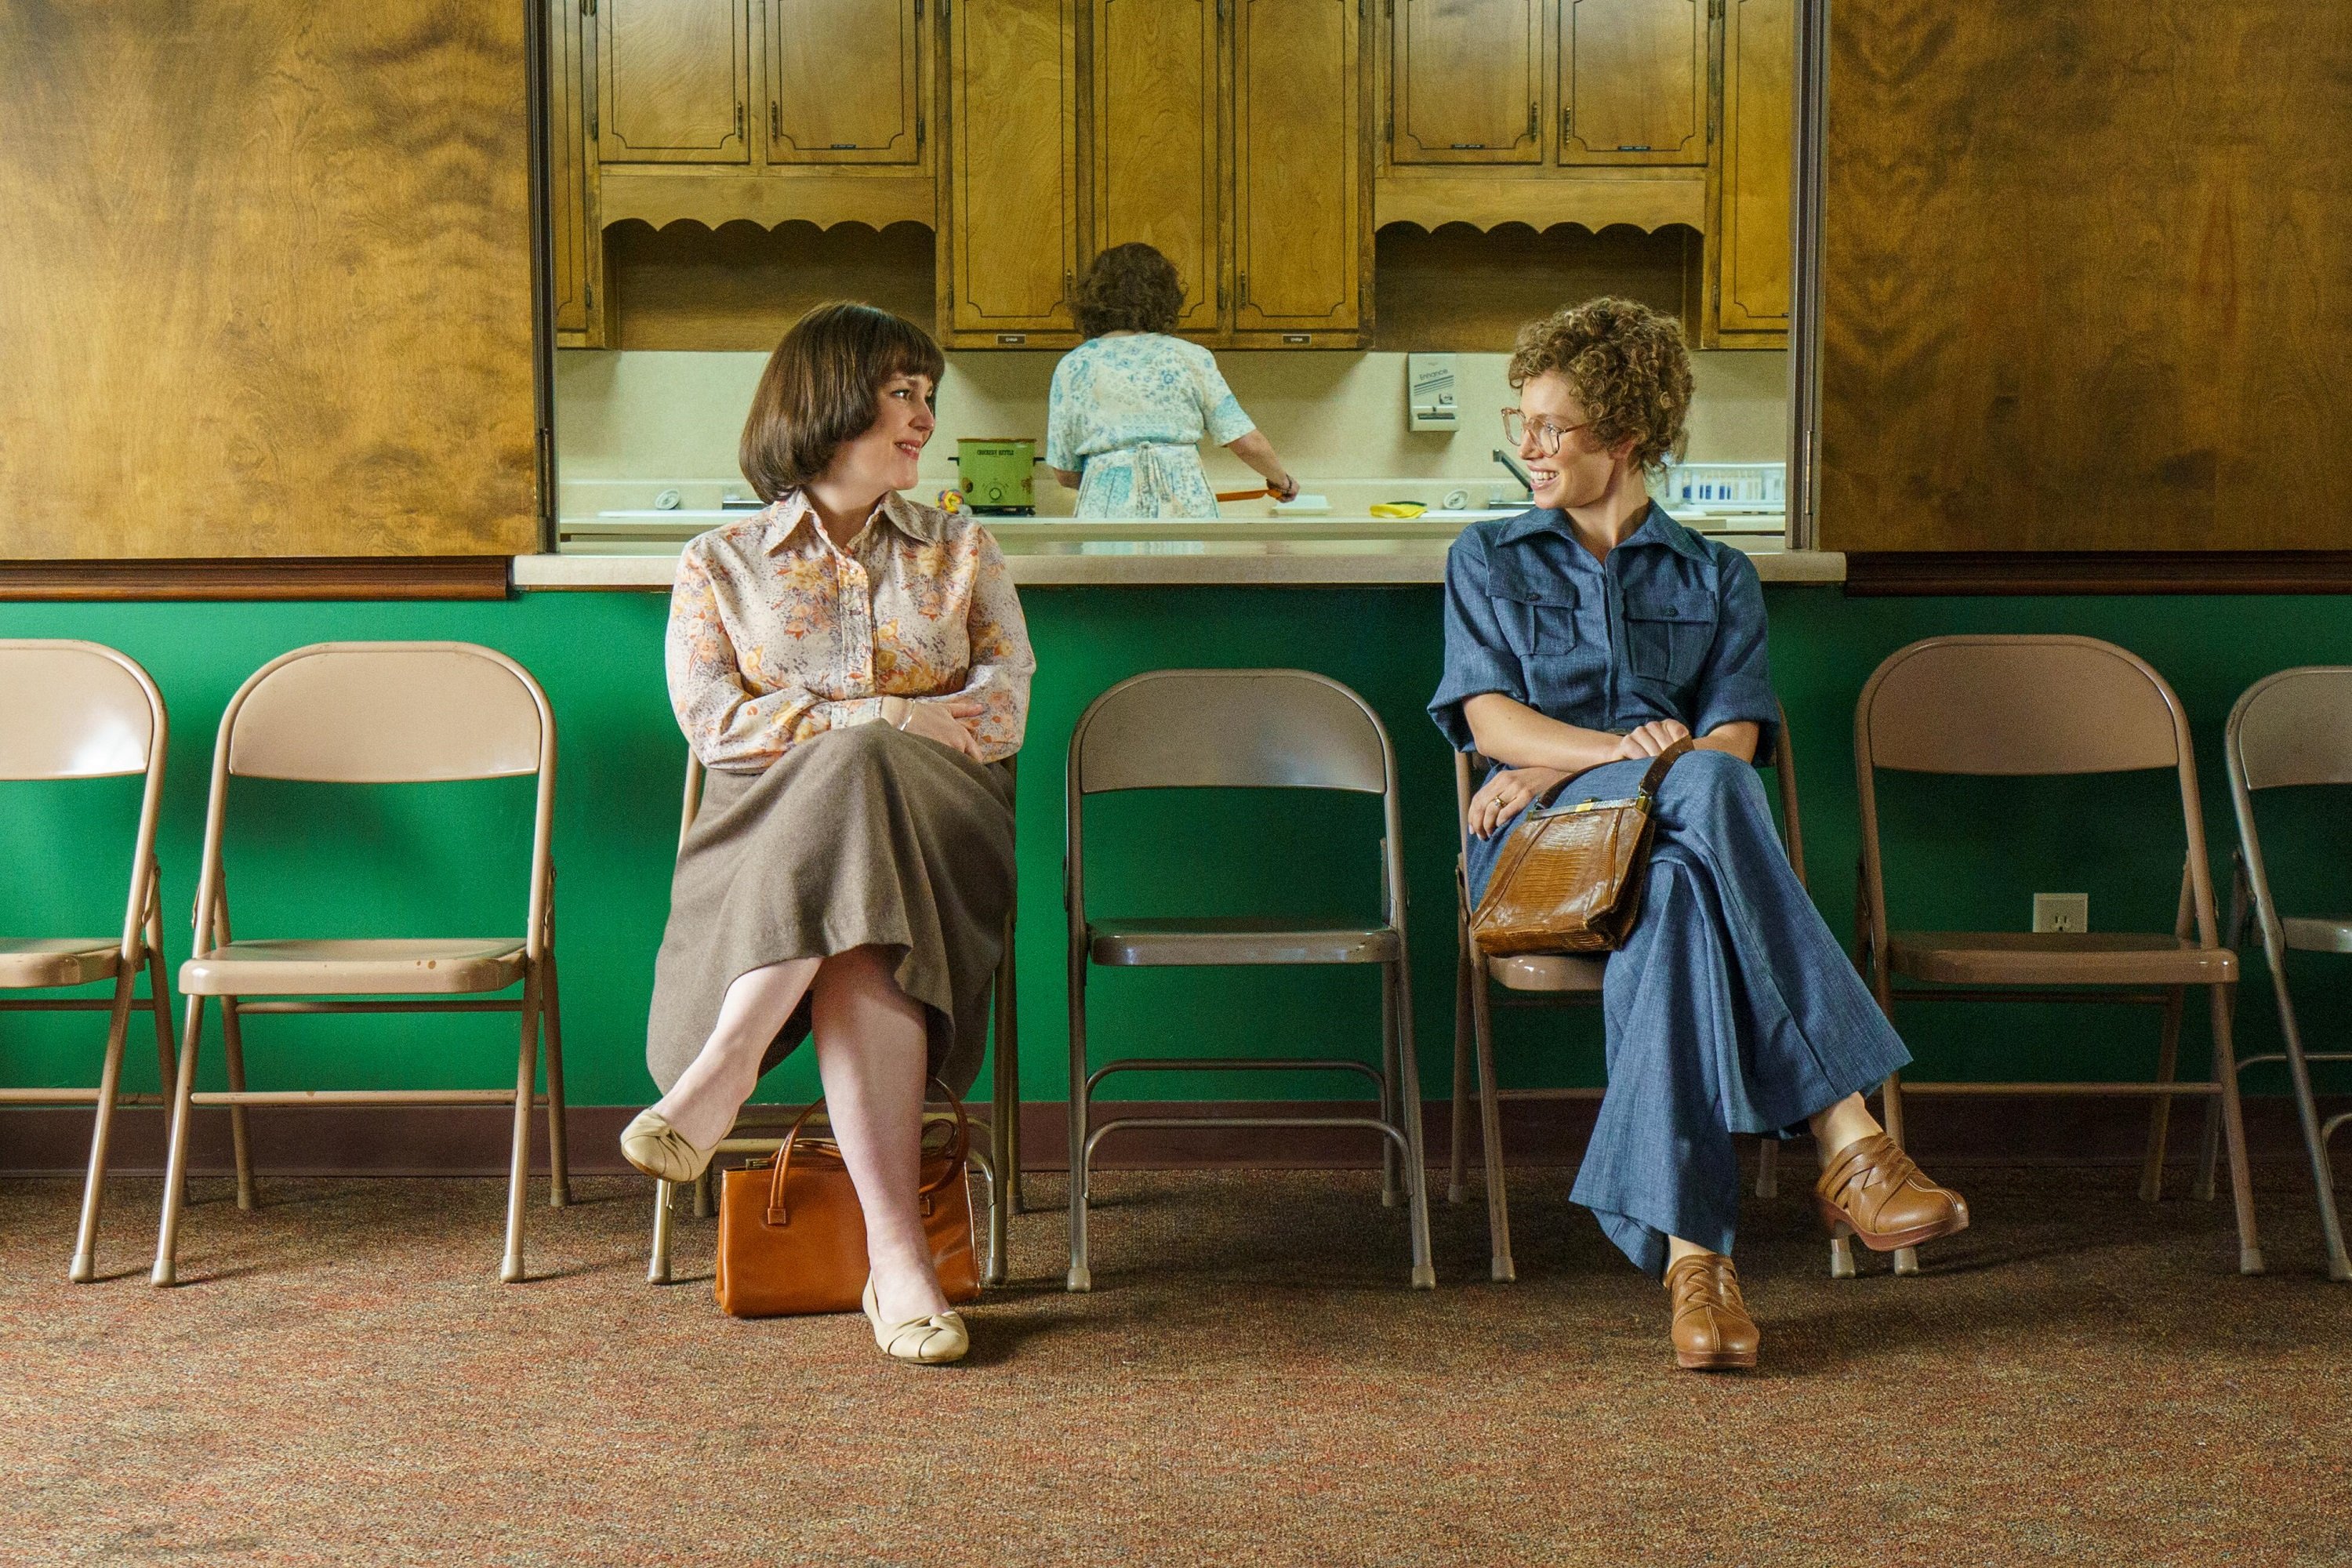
<point x="1627" y="365"/>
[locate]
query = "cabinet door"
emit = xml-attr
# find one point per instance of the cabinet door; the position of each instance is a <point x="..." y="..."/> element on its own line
<point x="1633" y="81"/>
<point x="843" y="81"/>
<point x="1462" y="81"/>
<point x="1011" y="244"/>
<point x="1297" y="167"/>
<point x="1759" y="43"/>
<point x="567" y="167"/>
<point x="1154" y="158"/>
<point x="673" y="80"/>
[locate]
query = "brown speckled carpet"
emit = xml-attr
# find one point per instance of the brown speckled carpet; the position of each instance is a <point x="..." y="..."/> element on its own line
<point x="343" y="1381"/>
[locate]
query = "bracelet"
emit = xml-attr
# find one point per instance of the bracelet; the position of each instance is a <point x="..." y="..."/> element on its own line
<point x="908" y="717"/>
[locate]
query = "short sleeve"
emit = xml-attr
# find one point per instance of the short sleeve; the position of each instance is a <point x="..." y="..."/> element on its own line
<point x="1062" y="433"/>
<point x="1477" y="659"/>
<point x="1735" y="683"/>
<point x="1220" y="411"/>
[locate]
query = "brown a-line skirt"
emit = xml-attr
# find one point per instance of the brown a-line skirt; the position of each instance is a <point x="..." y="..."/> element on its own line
<point x="863" y="837"/>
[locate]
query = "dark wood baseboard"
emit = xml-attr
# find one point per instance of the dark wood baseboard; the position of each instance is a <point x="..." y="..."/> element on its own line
<point x="260" y="577"/>
<point x="1880" y="574"/>
<point x="464" y="1141"/>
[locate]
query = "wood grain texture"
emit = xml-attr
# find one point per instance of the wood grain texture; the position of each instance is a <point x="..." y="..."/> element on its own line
<point x="738" y="287"/>
<point x="1595" y="199"/>
<point x="567" y="169"/>
<point x="265" y="279"/>
<point x="2086" y="282"/>
<point x="844" y="82"/>
<point x="1465" y="82"/>
<point x="674" y="80"/>
<point x="1752" y="267"/>
<point x="823" y="196"/>
<point x="1155" y="141"/>
<point x="306" y="577"/>
<point x="1917" y="574"/>
<point x="1460" y="290"/>
<point x="1633" y="81"/>
<point x="1299" y="255"/>
<point x="1009" y="204"/>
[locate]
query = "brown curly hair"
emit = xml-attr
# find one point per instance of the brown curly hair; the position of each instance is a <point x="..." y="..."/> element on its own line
<point x="1129" y="289"/>
<point x="1627" y="365"/>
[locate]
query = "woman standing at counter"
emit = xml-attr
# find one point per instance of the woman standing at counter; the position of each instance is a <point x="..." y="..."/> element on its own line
<point x="847" y="663"/>
<point x="1131" y="405"/>
<point x="1583" y="638"/>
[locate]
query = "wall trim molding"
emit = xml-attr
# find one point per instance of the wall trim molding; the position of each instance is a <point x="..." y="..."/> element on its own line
<point x="259" y="577"/>
<point x="1893" y="573"/>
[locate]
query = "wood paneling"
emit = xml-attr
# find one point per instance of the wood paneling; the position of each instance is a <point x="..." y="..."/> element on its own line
<point x="308" y="577"/>
<point x="1299" y="191"/>
<point x="843" y="80"/>
<point x="568" y="163"/>
<point x="1751" y="240"/>
<point x="1871" y="574"/>
<point x="1459" y="290"/>
<point x="673" y="81"/>
<point x="1633" y="81"/>
<point x="1464" y="84"/>
<point x="2086" y="281"/>
<point x="1011" y="211"/>
<point x="1155" y="141"/>
<point x="740" y="286"/>
<point x="265" y="279"/>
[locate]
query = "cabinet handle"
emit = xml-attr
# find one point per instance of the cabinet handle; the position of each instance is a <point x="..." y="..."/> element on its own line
<point x="739" y="122"/>
<point x="775" y="121"/>
<point x="1242" y="288"/>
<point x="1531" y="122"/>
<point x="1567" y="125"/>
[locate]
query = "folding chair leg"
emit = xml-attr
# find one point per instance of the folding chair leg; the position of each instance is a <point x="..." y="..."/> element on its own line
<point x="559" y="1160"/>
<point x="1005" y="1128"/>
<point x="1081" y="1275"/>
<point x="1458" y="1151"/>
<point x="2315" y="1136"/>
<point x="2160" y="1116"/>
<point x="1499" y="1264"/>
<point x="159" y="999"/>
<point x="1389" y="1106"/>
<point x="519" y="1158"/>
<point x="2209" y="1153"/>
<point x="1767" y="1168"/>
<point x="2233" y="1125"/>
<point x="176" y="1165"/>
<point x="705" y="1201"/>
<point x="110" y="1084"/>
<point x="1416" y="1157"/>
<point x="992" y="1273"/>
<point x="657" y="1266"/>
<point x="233" y="1051"/>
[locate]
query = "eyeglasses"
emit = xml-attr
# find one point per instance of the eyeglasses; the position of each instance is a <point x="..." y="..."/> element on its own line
<point x="1516" y="427"/>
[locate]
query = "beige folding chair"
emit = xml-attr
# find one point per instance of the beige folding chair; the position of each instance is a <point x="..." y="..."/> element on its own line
<point x="1540" y="979"/>
<point x="1242" y="729"/>
<point x="362" y="713"/>
<point x="79" y="711"/>
<point x="1000" y="1167"/>
<point x="2046" y="707"/>
<point x="2292" y="728"/>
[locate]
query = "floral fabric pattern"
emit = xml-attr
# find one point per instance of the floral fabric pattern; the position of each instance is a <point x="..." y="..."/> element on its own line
<point x="1130" y="413"/>
<point x="777" y="635"/>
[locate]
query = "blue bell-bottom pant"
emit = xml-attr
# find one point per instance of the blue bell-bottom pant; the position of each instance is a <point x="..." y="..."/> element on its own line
<point x="1729" y="1009"/>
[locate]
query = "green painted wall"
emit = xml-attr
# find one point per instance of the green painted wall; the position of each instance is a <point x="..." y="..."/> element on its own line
<point x="449" y="858"/>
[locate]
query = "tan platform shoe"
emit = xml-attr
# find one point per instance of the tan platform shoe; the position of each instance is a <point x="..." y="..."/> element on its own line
<point x="1872" y="1191"/>
<point x="930" y="1341"/>
<point x="1712" y="1330"/>
<point x="651" y="1144"/>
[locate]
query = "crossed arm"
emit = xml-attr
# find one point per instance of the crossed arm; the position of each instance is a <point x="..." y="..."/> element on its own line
<point x="1536" y="752"/>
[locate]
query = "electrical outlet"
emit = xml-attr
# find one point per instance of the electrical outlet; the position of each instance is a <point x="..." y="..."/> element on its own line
<point x="2061" y="911"/>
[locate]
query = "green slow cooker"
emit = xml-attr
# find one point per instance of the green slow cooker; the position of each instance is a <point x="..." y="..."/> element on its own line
<point x="995" y="473"/>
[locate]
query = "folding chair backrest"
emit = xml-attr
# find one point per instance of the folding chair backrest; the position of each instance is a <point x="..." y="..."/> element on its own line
<point x="2018" y="706"/>
<point x="74" y="711"/>
<point x="389" y="713"/>
<point x="1229" y="729"/>
<point x="2294" y="727"/>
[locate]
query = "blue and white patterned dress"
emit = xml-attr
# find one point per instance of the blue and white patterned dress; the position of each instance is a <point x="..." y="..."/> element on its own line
<point x="1130" y="411"/>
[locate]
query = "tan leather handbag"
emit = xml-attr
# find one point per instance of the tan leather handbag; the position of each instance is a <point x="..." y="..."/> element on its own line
<point x="1570" y="878"/>
<point x="792" y="1238"/>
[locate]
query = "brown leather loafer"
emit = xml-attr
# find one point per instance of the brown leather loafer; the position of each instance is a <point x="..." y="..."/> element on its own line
<point x="1712" y="1331"/>
<point x="1872" y="1190"/>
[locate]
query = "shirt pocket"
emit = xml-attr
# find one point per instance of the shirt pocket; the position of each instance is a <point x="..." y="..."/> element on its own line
<point x="1536" y="621"/>
<point x="1668" y="633"/>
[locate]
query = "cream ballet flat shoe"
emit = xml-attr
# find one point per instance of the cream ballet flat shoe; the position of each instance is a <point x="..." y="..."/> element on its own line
<point x="651" y="1144"/>
<point x="930" y="1341"/>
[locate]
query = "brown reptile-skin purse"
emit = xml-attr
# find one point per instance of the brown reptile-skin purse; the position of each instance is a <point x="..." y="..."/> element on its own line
<point x="1569" y="878"/>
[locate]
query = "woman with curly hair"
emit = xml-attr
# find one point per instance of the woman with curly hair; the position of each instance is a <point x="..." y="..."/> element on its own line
<point x="1582" y="639"/>
<point x="1130" y="405"/>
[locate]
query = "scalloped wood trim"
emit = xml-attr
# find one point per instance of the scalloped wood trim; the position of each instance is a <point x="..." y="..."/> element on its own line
<point x="825" y="198"/>
<point x="1593" y="199"/>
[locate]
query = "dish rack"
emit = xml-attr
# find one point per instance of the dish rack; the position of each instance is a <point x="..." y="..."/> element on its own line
<point x="1723" y="487"/>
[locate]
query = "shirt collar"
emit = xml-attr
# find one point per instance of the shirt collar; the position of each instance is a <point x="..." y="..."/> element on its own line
<point x="1656" y="528"/>
<point x="792" y="512"/>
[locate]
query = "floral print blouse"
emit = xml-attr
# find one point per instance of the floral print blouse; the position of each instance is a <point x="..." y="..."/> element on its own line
<point x="777" y="635"/>
<point x="1130" y="411"/>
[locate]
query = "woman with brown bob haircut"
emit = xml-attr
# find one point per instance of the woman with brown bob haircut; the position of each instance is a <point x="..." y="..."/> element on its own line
<point x="1586" y="640"/>
<point x="1131" y="405"/>
<point x="850" y="666"/>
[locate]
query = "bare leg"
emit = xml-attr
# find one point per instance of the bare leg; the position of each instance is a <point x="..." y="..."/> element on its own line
<point x="702" y="1103"/>
<point x="871" y="1043"/>
<point x="1840" y="1125"/>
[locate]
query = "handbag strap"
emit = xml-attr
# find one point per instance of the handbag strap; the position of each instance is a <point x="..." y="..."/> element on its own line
<point x="958" y="1150"/>
<point x="1645" y="792"/>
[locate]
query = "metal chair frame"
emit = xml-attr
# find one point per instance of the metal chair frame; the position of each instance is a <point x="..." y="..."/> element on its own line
<point x="1548" y="982"/>
<point x="2304" y="757"/>
<point x="140" y="947"/>
<point x="538" y="1004"/>
<point x="999" y="1165"/>
<point x="1212" y="944"/>
<point x="2213" y="964"/>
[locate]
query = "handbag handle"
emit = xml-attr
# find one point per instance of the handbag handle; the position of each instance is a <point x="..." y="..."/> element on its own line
<point x="1651" y="777"/>
<point x="957" y="1152"/>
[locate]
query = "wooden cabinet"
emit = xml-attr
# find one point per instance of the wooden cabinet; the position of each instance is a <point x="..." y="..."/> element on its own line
<point x="1749" y="241"/>
<point x="673" y="81"/>
<point x="1466" y="84"/>
<point x="571" y="180"/>
<point x="1008" y="215"/>
<point x="1154" y="169"/>
<point x="1300" y="223"/>
<point x="844" y="81"/>
<point x="1633" y="81"/>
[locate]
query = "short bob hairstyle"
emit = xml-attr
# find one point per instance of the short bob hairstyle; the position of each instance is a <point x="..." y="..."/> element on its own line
<point x="822" y="387"/>
<point x="1627" y="366"/>
<point x="1129" y="289"/>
